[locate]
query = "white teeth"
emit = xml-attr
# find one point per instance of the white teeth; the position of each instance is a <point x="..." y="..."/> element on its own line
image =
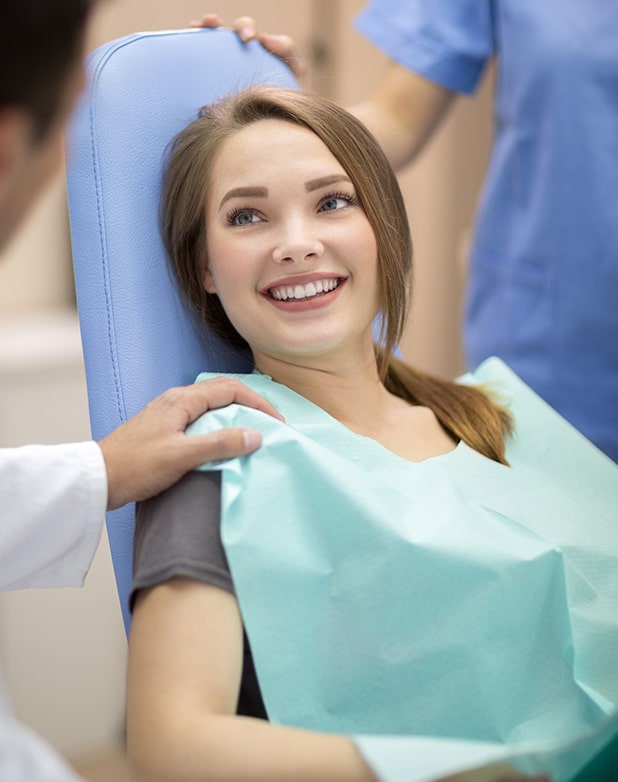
<point x="285" y="292"/>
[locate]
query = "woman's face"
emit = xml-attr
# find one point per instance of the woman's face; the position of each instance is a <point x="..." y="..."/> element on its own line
<point x="291" y="254"/>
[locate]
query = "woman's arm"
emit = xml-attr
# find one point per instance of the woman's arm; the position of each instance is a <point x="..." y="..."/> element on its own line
<point x="185" y="663"/>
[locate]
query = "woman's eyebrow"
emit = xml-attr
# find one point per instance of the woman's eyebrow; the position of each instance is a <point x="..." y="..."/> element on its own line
<point x="262" y="192"/>
<point x="324" y="181"/>
<point x="244" y="192"/>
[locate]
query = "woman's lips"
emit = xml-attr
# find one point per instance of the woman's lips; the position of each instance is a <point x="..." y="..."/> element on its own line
<point x="300" y="297"/>
<point x="309" y="290"/>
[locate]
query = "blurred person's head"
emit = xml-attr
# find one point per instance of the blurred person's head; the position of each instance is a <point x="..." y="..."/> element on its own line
<point x="41" y="74"/>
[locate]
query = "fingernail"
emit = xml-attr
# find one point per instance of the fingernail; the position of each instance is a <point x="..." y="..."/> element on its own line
<point x="251" y="439"/>
<point x="245" y="33"/>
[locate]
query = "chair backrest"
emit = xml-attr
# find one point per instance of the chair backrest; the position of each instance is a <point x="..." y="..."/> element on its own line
<point x="138" y="337"/>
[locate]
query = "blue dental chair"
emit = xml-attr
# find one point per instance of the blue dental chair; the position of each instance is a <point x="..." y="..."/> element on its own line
<point x="138" y="336"/>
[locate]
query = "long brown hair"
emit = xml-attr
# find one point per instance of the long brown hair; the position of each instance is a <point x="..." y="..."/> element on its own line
<point x="467" y="413"/>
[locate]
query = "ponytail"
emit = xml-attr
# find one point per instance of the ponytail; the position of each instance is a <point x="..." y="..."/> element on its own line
<point x="467" y="413"/>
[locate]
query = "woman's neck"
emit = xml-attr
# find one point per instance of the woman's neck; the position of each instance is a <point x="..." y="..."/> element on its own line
<point x="351" y="392"/>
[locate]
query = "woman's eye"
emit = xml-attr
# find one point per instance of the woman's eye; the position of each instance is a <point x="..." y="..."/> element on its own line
<point x="333" y="203"/>
<point x="242" y="217"/>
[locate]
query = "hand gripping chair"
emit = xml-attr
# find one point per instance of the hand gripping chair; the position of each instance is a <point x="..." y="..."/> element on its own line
<point x="138" y="337"/>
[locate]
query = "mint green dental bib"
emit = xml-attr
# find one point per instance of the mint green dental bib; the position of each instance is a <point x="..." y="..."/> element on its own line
<point x="453" y="598"/>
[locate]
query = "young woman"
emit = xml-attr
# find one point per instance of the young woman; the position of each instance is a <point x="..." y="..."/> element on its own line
<point x="289" y="236"/>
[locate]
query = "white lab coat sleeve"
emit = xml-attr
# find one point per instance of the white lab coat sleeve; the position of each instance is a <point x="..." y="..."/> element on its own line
<point x="25" y="757"/>
<point x="52" y="507"/>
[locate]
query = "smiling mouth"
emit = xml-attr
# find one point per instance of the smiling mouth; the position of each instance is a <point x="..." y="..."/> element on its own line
<point x="307" y="291"/>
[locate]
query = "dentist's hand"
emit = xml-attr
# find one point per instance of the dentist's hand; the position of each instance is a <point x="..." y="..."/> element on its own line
<point x="282" y="46"/>
<point x="151" y="451"/>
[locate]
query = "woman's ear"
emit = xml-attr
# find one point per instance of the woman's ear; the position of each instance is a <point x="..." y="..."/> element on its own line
<point x="208" y="281"/>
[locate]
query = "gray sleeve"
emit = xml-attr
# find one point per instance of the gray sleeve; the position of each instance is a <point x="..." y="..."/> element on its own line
<point x="177" y="533"/>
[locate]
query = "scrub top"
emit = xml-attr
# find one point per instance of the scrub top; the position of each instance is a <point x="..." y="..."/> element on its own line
<point x="543" y="286"/>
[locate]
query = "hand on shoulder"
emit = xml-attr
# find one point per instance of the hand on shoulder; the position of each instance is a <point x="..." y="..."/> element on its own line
<point x="150" y="452"/>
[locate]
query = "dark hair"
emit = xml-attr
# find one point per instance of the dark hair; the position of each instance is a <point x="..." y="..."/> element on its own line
<point x="40" y="43"/>
<point x="467" y="413"/>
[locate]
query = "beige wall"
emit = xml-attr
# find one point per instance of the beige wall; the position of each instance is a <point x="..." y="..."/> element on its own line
<point x="64" y="651"/>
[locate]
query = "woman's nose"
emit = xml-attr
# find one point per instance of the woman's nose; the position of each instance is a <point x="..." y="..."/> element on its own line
<point x="298" y="244"/>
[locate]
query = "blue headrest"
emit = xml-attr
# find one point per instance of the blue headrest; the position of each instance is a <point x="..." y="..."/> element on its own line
<point x="139" y="338"/>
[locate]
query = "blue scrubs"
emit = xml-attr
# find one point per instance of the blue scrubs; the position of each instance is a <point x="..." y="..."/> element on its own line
<point x="543" y="287"/>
